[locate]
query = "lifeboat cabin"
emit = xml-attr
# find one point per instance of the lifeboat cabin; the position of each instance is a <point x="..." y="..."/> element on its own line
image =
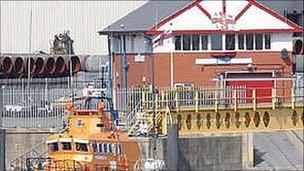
<point x="91" y="142"/>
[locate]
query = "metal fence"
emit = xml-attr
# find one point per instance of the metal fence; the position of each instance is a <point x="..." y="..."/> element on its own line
<point x="40" y="102"/>
<point x="299" y="87"/>
<point x="134" y="100"/>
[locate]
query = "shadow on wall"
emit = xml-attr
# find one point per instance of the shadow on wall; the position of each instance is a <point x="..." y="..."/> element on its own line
<point x="258" y="157"/>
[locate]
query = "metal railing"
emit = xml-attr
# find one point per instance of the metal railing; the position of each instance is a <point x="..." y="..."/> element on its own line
<point x="19" y="162"/>
<point x="39" y="104"/>
<point x="141" y="99"/>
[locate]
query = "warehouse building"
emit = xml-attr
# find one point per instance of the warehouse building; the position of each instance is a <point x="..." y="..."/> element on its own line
<point x="29" y="26"/>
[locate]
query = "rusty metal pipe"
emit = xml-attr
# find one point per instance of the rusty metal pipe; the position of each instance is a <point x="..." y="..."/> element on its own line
<point x="32" y="65"/>
<point x="1" y="61"/>
<point x="19" y="66"/>
<point x="76" y="64"/>
<point x="1" y="69"/>
<point x="50" y="66"/>
<point x="39" y="67"/>
<point x="7" y="66"/>
<point x="60" y="64"/>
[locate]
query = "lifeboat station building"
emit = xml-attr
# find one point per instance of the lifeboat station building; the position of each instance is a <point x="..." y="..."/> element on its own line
<point x="202" y="43"/>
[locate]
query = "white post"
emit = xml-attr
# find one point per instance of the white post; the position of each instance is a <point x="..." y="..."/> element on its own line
<point x="171" y="70"/>
<point x="235" y="100"/>
<point x="254" y="99"/>
<point x="196" y="101"/>
<point x="273" y="94"/>
<point x="292" y="98"/>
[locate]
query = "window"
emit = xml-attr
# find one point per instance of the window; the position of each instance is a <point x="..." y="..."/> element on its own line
<point x="195" y="42"/>
<point x="105" y="148"/>
<point x="81" y="147"/>
<point x="216" y="42"/>
<point x="258" y="41"/>
<point x="244" y="42"/>
<point x="186" y="42"/>
<point x="53" y="147"/>
<point x="230" y="42"/>
<point x="118" y="149"/>
<point x="133" y="37"/>
<point x="100" y="148"/>
<point x="249" y="41"/>
<point x="95" y="147"/>
<point x="178" y="42"/>
<point x="110" y="148"/>
<point x="267" y="41"/>
<point x="204" y="42"/>
<point x="66" y="146"/>
<point x="241" y="41"/>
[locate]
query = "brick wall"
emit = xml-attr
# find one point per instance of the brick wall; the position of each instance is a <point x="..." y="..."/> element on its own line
<point x="186" y="71"/>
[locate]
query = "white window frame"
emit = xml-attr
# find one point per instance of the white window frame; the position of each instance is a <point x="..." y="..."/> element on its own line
<point x="236" y="45"/>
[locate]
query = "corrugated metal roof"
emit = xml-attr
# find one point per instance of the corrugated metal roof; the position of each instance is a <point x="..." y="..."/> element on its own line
<point x="146" y="16"/>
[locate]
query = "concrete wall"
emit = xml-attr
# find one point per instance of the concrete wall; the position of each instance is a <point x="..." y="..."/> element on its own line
<point x="201" y="153"/>
<point x="211" y="153"/>
<point x="2" y="150"/>
<point x="19" y="141"/>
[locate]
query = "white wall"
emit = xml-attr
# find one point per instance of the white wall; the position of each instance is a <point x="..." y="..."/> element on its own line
<point x="280" y="41"/>
<point x="83" y="18"/>
<point x="135" y="43"/>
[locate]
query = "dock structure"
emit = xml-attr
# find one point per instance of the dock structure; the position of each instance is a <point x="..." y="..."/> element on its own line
<point x="218" y="111"/>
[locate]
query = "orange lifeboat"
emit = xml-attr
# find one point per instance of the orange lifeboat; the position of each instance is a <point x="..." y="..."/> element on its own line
<point x="91" y="142"/>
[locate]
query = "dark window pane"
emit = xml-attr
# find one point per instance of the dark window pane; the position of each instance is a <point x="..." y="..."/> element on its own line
<point x="195" y="42"/>
<point x="267" y="41"/>
<point x="204" y="42"/>
<point x="105" y="148"/>
<point x="216" y="42"/>
<point x="81" y="147"/>
<point x="178" y="42"/>
<point x="66" y="146"/>
<point x="249" y="41"/>
<point x="186" y="42"/>
<point x="53" y="147"/>
<point x="230" y="42"/>
<point x="241" y="41"/>
<point x="95" y="147"/>
<point x="258" y="41"/>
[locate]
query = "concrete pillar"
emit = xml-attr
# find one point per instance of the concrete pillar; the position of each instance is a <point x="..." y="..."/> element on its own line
<point x="247" y="151"/>
<point x="173" y="148"/>
<point x="2" y="149"/>
<point x="1" y="105"/>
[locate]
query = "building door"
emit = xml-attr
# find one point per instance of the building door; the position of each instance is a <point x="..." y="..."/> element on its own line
<point x="259" y="82"/>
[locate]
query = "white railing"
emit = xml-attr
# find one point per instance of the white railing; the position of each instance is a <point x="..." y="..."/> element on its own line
<point x="39" y="104"/>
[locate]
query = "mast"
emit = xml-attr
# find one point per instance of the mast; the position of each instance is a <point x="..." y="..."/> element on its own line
<point x="153" y="86"/>
<point x="224" y="6"/>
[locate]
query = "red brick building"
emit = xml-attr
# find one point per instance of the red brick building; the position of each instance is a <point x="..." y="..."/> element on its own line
<point x="214" y="43"/>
